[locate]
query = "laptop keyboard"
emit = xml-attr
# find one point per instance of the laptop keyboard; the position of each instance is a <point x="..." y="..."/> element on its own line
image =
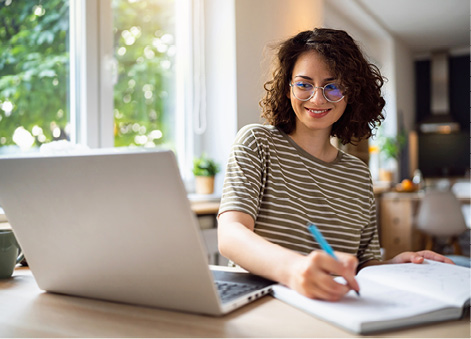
<point x="232" y="290"/>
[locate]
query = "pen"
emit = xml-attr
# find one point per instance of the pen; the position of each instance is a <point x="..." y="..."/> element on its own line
<point x="323" y="243"/>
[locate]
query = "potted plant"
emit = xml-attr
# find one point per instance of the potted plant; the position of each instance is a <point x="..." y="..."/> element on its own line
<point x="390" y="148"/>
<point x="204" y="170"/>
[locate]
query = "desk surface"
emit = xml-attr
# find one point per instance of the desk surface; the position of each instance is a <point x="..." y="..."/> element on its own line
<point x="26" y="311"/>
<point x="205" y="207"/>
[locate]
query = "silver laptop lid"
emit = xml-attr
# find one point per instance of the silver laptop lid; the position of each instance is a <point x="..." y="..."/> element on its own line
<point x="115" y="226"/>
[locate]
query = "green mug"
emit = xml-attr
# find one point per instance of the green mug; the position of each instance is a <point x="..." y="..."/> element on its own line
<point x="10" y="253"/>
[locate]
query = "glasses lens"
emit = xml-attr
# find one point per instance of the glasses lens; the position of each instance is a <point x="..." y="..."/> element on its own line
<point x="332" y="92"/>
<point x="302" y="90"/>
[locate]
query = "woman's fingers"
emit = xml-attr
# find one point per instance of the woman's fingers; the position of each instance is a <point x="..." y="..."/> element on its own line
<point x="315" y="276"/>
<point x="418" y="257"/>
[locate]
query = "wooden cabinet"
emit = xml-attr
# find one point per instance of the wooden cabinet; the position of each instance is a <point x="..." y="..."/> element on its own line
<point x="397" y="231"/>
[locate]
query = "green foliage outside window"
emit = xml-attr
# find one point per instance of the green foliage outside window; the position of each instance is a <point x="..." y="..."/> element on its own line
<point x="34" y="63"/>
<point x="34" y="71"/>
<point x="145" y="49"/>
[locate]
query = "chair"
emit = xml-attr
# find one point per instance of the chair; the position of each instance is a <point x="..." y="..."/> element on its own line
<point x="462" y="189"/>
<point x="440" y="215"/>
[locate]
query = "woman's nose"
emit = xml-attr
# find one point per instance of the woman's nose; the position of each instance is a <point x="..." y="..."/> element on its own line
<point x="318" y="96"/>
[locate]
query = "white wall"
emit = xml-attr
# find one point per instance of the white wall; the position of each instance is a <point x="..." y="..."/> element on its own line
<point x="221" y="81"/>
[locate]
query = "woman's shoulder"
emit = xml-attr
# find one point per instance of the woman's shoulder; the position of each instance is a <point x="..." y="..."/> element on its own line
<point x="258" y="132"/>
<point x="258" y="128"/>
<point x="353" y="162"/>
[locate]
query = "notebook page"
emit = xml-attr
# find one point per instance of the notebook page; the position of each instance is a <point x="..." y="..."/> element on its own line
<point x="378" y="303"/>
<point x="451" y="283"/>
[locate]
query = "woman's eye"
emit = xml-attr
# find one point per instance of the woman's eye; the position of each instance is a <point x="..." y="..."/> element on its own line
<point x="304" y="86"/>
<point x="331" y="87"/>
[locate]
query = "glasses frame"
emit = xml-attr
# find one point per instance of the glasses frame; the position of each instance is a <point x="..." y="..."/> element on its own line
<point x="314" y="91"/>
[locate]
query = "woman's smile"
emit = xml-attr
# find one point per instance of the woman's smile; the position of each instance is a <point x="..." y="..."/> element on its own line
<point x="317" y="113"/>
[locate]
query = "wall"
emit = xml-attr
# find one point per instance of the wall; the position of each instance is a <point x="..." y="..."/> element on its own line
<point x="404" y="86"/>
<point x="405" y="101"/>
<point x="221" y="82"/>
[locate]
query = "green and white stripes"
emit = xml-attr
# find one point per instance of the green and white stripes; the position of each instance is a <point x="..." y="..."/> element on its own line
<point x="283" y="188"/>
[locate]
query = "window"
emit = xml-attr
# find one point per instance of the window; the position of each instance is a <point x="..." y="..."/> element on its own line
<point x="43" y="99"/>
<point x="106" y="73"/>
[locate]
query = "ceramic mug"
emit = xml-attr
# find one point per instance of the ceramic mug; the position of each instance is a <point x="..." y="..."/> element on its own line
<point x="10" y="253"/>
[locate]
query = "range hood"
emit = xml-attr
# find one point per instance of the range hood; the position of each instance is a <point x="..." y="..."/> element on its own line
<point x="440" y="120"/>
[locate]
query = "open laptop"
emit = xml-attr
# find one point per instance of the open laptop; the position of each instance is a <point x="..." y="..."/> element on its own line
<point x="117" y="226"/>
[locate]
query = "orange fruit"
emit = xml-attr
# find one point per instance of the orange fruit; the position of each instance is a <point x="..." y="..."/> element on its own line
<point x="407" y="185"/>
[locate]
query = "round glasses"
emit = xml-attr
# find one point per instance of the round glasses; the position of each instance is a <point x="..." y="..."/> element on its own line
<point x="304" y="91"/>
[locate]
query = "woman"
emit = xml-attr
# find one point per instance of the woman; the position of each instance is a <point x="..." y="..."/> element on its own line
<point x="282" y="176"/>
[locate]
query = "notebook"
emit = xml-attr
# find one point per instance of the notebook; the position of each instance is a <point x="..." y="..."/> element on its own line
<point x="393" y="296"/>
<point x="116" y="225"/>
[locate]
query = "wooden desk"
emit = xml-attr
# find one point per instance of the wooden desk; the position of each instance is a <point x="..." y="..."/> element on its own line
<point x="205" y="207"/>
<point x="26" y="311"/>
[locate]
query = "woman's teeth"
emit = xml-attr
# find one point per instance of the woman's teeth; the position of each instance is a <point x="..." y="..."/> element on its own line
<point x="315" y="111"/>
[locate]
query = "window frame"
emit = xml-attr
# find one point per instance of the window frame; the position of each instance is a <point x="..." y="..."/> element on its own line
<point x="93" y="75"/>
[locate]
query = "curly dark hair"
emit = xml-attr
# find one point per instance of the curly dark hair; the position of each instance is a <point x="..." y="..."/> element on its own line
<point x="360" y="81"/>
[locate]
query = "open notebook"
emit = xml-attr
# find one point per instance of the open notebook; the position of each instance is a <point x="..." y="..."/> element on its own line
<point x="393" y="296"/>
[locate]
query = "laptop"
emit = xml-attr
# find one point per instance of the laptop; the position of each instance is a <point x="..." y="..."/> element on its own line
<point x="118" y="226"/>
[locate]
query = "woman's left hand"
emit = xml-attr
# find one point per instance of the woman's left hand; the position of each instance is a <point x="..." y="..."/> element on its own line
<point x="418" y="257"/>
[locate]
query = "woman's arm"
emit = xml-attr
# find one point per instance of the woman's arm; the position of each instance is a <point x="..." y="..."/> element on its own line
<point x="310" y="275"/>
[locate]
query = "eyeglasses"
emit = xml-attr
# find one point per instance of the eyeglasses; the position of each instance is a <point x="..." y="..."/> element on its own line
<point x="304" y="91"/>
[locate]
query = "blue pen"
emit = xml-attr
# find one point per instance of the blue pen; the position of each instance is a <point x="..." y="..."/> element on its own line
<point x="323" y="243"/>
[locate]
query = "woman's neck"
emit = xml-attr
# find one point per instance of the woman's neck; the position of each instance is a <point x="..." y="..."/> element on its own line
<point x="317" y="144"/>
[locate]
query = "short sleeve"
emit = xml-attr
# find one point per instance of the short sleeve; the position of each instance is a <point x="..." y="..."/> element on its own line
<point x="243" y="181"/>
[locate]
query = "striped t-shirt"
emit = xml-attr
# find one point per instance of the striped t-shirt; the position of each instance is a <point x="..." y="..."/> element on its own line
<point x="283" y="188"/>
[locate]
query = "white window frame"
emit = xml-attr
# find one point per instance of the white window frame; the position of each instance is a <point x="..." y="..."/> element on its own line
<point x="93" y="75"/>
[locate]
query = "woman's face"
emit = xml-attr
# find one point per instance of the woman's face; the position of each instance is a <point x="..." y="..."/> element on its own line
<point x="317" y="113"/>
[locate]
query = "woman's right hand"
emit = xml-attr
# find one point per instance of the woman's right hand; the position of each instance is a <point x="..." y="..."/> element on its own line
<point x="312" y="275"/>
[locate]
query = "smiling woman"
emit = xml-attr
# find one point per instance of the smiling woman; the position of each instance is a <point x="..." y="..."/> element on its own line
<point x="286" y="174"/>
